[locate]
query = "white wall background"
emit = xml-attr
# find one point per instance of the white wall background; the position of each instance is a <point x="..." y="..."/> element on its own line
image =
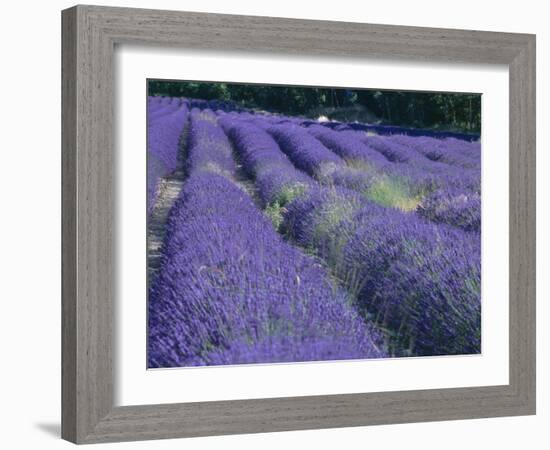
<point x="31" y="208"/>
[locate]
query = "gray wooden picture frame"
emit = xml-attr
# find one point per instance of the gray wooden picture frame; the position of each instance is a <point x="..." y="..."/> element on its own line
<point x="89" y="37"/>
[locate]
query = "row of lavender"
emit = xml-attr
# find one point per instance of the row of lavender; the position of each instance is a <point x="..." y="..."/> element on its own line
<point x="166" y="119"/>
<point x="341" y="194"/>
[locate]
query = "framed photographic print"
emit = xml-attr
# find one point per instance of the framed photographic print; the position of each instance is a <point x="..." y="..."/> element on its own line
<point x="266" y="230"/>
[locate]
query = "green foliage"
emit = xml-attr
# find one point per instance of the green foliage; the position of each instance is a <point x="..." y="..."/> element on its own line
<point x="275" y="213"/>
<point x="425" y="109"/>
<point x="443" y="111"/>
<point x="389" y="191"/>
<point x="290" y="192"/>
<point x="276" y="209"/>
<point x="327" y="232"/>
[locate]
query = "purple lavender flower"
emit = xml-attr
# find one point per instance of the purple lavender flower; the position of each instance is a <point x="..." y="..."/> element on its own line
<point x="157" y="110"/>
<point x="306" y="152"/>
<point x="208" y="146"/>
<point x="458" y="207"/>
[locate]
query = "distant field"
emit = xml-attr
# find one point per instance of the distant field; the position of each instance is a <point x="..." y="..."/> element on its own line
<point x="278" y="238"/>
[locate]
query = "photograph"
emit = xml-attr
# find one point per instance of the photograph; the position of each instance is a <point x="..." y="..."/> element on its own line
<point x="295" y="223"/>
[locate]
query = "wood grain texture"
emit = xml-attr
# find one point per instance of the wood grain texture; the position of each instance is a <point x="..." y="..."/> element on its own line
<point x="89" y="36"/>
<point x="523" y="224"/>
<point x="68" y="225"/>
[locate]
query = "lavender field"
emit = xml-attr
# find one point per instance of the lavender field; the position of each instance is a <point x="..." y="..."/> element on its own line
<point x="280" y="238"/>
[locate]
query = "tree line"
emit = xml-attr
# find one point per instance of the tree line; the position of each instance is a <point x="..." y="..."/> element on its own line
<point x="444" y="111"/>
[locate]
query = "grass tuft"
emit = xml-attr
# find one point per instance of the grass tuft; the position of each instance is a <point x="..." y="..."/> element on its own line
<point x="391" y="192"/>
<point x="275" y="213"/>
<point x="276" y="209"/>
<point x="290" y="192"/>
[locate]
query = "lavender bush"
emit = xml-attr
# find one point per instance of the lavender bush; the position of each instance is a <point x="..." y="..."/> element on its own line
<point x="458" y="207"/>
<point x="163" y="139"/>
